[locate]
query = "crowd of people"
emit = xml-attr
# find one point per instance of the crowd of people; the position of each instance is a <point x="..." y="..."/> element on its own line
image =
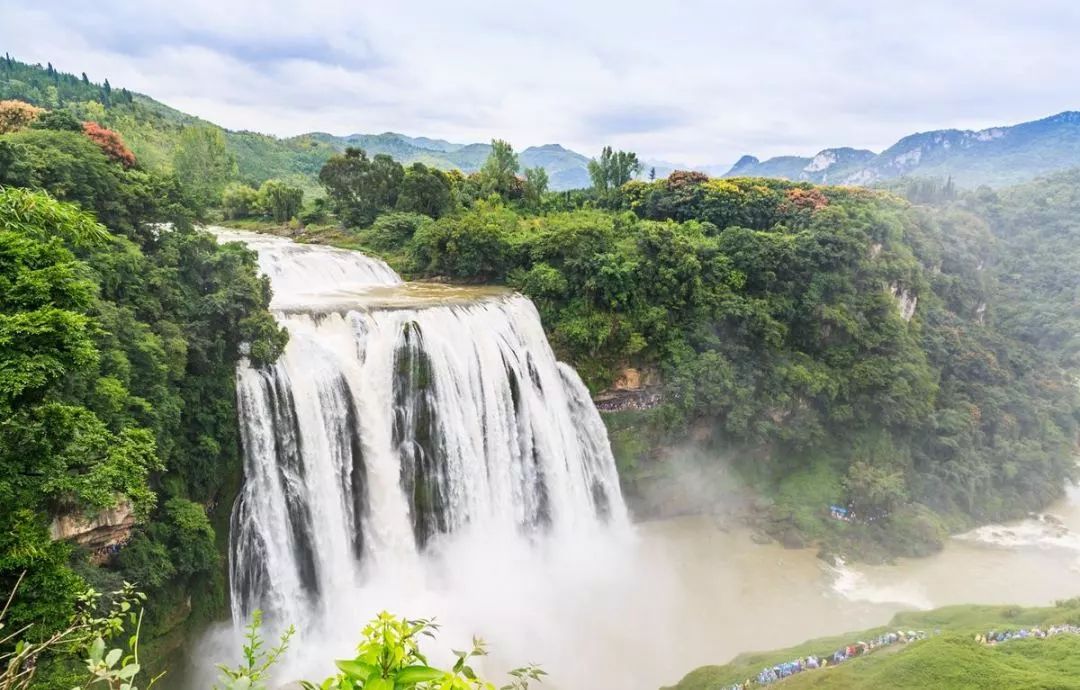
<point x="998" y="636"/>
<point x="773" y="674"/>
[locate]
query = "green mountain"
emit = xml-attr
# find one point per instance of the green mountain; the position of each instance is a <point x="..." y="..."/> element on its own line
<point x="151" y="129"/>
<point x="997" y="156"/>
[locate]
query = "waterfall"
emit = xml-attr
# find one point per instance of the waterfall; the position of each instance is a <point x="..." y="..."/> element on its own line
<point x="400" y="415"/>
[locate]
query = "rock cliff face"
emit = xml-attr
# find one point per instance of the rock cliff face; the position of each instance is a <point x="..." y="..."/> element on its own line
<point x="108" y="529"/>
<point x="906" y="301"/>
<point x="635" y="389"/>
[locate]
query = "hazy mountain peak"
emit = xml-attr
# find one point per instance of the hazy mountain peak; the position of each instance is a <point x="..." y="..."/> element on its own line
<point x="995" y="156"/>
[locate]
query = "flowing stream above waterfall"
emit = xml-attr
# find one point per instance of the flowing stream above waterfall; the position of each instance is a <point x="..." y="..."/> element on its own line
<point x="418" y="449"/>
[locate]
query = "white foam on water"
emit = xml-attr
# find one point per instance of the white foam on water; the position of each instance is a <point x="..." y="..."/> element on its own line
<point x="1043" y="531"/>
<point x="854" y="585"/>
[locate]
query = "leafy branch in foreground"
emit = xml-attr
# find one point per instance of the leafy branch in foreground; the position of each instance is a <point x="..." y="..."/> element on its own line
<point x="87" y="634"/>
<point x="252" y="673"/>
<point x="390" y="658"/>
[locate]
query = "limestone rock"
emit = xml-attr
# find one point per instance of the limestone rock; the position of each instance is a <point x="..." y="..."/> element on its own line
<point x="107" y="529"/>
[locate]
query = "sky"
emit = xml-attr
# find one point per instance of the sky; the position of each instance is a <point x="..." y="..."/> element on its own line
<point x="691" y="82"/>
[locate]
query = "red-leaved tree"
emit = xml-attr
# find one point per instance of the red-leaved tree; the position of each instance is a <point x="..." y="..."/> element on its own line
<point x="110" y="143"/>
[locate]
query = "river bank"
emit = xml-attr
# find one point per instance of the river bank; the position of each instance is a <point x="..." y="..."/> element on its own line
<point x="1029" y="563"/>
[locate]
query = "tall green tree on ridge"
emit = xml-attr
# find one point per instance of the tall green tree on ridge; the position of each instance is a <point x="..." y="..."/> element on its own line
<point x="499" y="173"/>
<point x="613" y="169"/>
<point x="360" y="187"/>
<point x="203" y="164"/>
<point x="536" y="185"/>
<point x="425" y="190"/>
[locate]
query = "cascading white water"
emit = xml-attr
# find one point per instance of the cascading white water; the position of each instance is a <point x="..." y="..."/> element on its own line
<point x="398" y="416"/>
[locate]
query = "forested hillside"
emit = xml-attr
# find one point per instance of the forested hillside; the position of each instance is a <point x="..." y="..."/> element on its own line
<point x="842" y="345"/>
<point x="119" y="339"/>
<point x="152" y="130"/>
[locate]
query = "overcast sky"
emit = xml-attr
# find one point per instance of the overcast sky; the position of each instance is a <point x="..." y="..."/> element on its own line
<point x="686" y="81"/>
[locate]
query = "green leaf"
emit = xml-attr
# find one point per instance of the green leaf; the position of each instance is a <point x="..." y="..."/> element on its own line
<point x="97" y="649"/>
<point x="379" y="684"/>
<point x="418" y="674"/>
<point x="355" y="669"/>
<point x="128" y="671"/>
<point x="112" y="657"/>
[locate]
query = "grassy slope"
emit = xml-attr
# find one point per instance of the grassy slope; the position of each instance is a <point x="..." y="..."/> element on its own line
<point x="950" y="660"/>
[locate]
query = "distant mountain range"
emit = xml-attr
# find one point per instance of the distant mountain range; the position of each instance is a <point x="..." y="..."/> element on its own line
<point x="996" y="156"/>
<point x="566" y="169"/>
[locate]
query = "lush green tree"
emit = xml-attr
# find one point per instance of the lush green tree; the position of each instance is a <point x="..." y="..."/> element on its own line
<point x="317" y="212"/>
<point x="53" y="453"/>
<point x="613" y="169"/>
<point x="536" y="185"/>
<point x="361" y="187"/>
<point x="873" y="491"/>
<point x="392" y="231"/>
<point x="477" y="243"/>
<point x="499" y="172"/>
<point x="60" y="120"/>
<point x="45" y="331"/>
<point x="203" y="164"/>
<point x="117" y="362"/>
<point x="239" y="200"/>
<point x="425" y="190"/>
<point x="189" y="537"/>
<point x="280" y="201"/>
<point x="73" y="168"/>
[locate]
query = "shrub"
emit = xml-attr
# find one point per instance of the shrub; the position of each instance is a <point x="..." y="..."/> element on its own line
<point x="15" y="115"/>
<point x="110" y="143"/>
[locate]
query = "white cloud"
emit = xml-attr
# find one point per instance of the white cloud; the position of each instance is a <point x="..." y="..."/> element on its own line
<point x="694" y="81"/>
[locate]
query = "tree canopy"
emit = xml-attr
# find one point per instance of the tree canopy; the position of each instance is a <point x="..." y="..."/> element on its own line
<point x="118" y="345"/>
<point x="203" y="164"/>
<point x="613" y="169"/>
